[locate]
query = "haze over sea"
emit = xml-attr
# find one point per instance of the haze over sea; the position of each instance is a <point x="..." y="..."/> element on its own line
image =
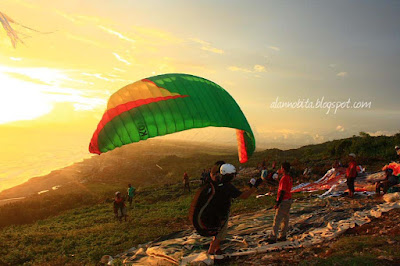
<point x="28" y="156"/>
<point x="29" y="152"/>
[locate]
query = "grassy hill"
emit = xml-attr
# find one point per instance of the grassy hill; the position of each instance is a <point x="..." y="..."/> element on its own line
<point x="74" y="223"/>
<point x="83" y="235"/>
<point x="157" y="162"/>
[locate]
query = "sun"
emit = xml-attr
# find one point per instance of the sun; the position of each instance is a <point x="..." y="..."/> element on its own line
<point x="21" y="100"/>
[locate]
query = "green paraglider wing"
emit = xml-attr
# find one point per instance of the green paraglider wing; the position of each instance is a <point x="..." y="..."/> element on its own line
<point x="166" y="104"/>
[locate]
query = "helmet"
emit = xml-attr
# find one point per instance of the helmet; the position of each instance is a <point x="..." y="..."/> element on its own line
<point x="396" y="147"/>
<point x="275" y="176"/>
<point x="116" y="193"/>
<point x="227" y="169"/>
<point x="352" y="155"/>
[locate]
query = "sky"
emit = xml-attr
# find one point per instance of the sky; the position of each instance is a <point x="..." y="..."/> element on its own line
<point x="72" y="55"/>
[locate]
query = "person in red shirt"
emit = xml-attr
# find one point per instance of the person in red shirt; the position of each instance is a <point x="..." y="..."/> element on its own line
<point x="119" y="207"/>
<point x="283" y="204"/>
<point x="351" y="174"/>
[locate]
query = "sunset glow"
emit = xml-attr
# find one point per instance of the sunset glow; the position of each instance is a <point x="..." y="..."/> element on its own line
<point x="69" y="57"/>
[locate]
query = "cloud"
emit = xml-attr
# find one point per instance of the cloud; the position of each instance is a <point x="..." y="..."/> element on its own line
<point x="286" y="138"/>
<point x="38" y="75"/>
<point x="342" y="74"/>
<point x="116" y="33"/>
<point x="110" y="78"/>
<point x="15" y="58"/>
<point x="96" y="75"/>
<point x="31" y="92"/>
<point x="275" y="48"/>
<point x="332" y="65"/>
<point x="212" y="49"/>
<point x="340" y="128"/>
<point x="25" y="4"/>
<point x="119" y="58"/>
<point x="199" y="41"/>
<point x="383" y="133"/>
<point x="82" y="39"/>
<point x="259" y="68"/>
<point x="26" y="78"/>
<point x="79" y="19"/>
<point x="318" y="138"/>
<point x="239" y="69"/>
<point x="66" y="16"/>
<point x="256" y="69"/>
<point x="149" y="35"/>
<point x="206" y="46"/>
<point x="119" y="70"/>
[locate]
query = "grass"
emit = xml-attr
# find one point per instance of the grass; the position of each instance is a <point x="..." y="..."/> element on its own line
<point x="84" y="228"/>
<point x="83" y="235"/>
<point x="359" y="250"/>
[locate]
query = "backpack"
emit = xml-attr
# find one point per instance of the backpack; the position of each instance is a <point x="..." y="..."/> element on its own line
<point x="207" y="212"/>
<point x="264" y="174"/>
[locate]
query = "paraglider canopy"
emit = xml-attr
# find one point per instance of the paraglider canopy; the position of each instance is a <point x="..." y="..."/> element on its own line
<point x="166" y="104"/>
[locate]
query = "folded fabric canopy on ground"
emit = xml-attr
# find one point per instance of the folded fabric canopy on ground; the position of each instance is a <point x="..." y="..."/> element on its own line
<point x="335" y="179"/>
<point x="312" y="222"/>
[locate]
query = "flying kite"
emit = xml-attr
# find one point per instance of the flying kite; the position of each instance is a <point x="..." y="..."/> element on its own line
<point x="166" y="104"/>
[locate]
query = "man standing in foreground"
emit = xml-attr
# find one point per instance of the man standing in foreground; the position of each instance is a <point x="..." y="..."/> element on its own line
<point x="221" y="175"/>
<point x="131" y="193"/>
<point x="283" y="204"/>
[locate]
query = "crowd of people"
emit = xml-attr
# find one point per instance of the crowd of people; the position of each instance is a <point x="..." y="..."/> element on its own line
<point x="213" y="213"/>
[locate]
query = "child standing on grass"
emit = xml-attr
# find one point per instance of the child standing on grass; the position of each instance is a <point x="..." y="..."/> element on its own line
<point x="131" y="193"/>
<point x="119" y="207"/>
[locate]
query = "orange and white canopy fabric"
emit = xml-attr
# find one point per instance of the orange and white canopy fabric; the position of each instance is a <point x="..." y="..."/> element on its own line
<point x="394" y="166"/>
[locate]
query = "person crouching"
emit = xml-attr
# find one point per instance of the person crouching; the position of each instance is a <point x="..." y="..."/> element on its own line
<point x="389" y="181"/>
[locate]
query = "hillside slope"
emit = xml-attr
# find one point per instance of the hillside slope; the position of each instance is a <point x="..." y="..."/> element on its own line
<point x="158" y="162"/>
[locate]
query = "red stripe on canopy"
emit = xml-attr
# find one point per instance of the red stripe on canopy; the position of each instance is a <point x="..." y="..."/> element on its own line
<point x="116" y="111"/>
<point x="243" y="157"/>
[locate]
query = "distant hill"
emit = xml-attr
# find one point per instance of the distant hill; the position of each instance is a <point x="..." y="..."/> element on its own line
<point x="158" y="161"/>
<point x="144" y="163"/>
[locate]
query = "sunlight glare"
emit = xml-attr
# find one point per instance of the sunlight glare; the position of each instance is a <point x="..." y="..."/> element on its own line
<point x="20" y="100"/>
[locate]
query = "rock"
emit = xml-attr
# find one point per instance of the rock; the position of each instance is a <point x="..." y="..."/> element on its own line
<point x="391" y="197"/>
<point x="106" y="260"/>
<point x="385" y="258"/>
<point x="267" y="257"/>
